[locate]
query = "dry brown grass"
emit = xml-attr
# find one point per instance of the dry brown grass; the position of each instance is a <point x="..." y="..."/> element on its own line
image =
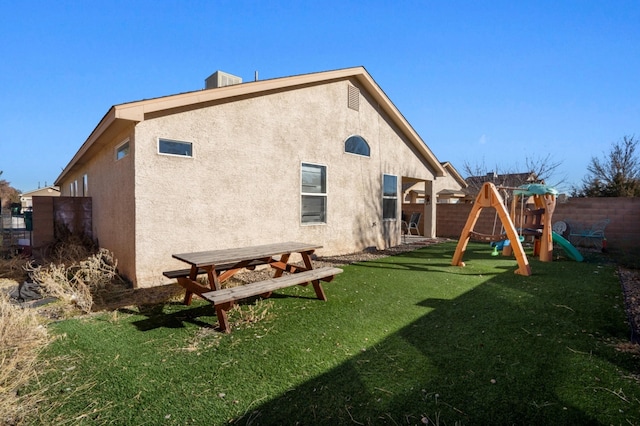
<point x="22" y="337"/>
<point x="75" y="283"/>
<point x="69" y="249"/>
<point x="73" y="273"/>
<point x="13" y="268"/>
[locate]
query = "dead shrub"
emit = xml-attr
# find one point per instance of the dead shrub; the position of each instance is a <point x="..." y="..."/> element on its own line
<point x="69" y="247"/>
<point x="77" y="282"/>
<point x="22" y="337"/>
<point x="13" y="268"/>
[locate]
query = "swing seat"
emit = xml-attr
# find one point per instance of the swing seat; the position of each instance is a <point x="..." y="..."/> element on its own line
<point x="476" y="236"/>
<point x="488" y="196"/>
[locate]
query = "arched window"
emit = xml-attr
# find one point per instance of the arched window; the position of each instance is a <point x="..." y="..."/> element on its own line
<point x="357" y="145"/>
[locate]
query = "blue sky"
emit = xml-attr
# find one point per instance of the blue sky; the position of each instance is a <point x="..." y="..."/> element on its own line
<point x="488" y="83"/>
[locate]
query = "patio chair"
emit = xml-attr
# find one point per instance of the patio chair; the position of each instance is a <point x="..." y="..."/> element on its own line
<point x="412" y="224"/>
<point x="589" y="235"/>
<point x="560" y="228"/>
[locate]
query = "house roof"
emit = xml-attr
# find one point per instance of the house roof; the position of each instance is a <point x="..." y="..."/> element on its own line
<point x="123" y="116"/>
<point x="507" y="179"/>
<point x="454" y="173"/>
<point x="47" y="190"/>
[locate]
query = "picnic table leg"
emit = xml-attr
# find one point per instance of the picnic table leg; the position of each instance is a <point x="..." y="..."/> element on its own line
<point x="212" y="275"/>
<point x="283" y="259"/>
<point x="223" y="320"/>
<point x="188" y="295"/>
<point x="317" y="287"/>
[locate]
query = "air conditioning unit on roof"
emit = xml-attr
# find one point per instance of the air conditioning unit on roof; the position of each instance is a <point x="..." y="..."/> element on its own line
<point x="221" y="79"/>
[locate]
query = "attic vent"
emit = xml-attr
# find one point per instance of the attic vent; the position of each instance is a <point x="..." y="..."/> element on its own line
<point x="353" y="100"/>
<point x="221" y="79"/>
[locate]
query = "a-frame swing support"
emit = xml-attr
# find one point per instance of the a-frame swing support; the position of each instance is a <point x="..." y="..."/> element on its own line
<point x="489" y="197"/>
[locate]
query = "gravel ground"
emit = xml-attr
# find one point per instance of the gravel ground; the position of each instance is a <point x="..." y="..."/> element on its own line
<point x="630" y="280"/>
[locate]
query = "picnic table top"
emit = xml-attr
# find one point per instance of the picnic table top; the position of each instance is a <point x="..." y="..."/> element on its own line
<point x="215" y="257"/>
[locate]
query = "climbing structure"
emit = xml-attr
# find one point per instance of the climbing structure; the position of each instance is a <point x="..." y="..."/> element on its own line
<point x="489" y="197"/>
<point x="536" y="222"/>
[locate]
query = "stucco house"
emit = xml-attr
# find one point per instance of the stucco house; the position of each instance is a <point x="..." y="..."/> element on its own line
<point x="449" y="189"/>
<point x="317" y="158"/>
<point x="26" y="198"/>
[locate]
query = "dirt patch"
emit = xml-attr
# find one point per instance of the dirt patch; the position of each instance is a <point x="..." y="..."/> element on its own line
<point x="630" y="281"/>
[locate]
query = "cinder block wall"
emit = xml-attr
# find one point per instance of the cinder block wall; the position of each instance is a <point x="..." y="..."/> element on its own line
<point x="623" y="230"/>
<point x="624" y="213"/>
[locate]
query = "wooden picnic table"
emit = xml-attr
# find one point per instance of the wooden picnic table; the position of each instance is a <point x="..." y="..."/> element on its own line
<point x="220" y="265"/>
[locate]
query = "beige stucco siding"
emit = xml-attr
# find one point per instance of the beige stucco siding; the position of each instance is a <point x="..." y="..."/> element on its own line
<point x="242" y="185"/>
<point x="111" y="187"/>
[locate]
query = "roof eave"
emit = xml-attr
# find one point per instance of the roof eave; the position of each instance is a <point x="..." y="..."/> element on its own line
<point x="135" y="112"/>
<point x="110" y="123"/>
<point x="454" y="172"/>
<point x="399" y="119"/>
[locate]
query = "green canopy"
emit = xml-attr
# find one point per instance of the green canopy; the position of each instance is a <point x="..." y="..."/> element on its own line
<point x="535" y="189"/>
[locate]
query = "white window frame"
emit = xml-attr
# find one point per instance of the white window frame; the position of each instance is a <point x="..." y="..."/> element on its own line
<point x="344" y="146"/>
<point x="160" y="140"/>
<point x="323" y="195"/>
<point x="119" y="150"/>
<point x="390" y="197"/>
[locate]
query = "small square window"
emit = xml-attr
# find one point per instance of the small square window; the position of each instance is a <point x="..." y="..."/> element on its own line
<point x="170" y="147"/>
<point x="122" y="150"/>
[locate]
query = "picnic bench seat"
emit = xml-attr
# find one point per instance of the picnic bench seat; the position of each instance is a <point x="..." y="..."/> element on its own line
<point x="224" y="299"/>
<point x="181" y="273"/>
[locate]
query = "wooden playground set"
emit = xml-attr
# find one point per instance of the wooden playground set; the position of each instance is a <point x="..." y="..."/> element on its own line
<point x="536" y="203"/>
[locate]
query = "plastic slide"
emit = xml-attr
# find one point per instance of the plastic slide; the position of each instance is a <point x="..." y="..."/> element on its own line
<point x="568" y="248"/>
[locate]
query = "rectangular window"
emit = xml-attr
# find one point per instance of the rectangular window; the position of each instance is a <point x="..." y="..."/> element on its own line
<point x="85" y="185"/>
<point x="389" y="196"/>
<point x="71" y="192"/>
<point x="314" y="193"/>
<point x="169" y="147"/>
<point x="122" y="150"/>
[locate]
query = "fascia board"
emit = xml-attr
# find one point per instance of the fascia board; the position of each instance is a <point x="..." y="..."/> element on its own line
<point x="397" y="117"/>
<point x="105" y="124"/>
<point x="136" y="111"/>
<point x="452" y="170"/>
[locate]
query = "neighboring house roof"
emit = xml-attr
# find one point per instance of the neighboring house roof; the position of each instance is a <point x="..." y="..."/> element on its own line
<point x="511" y="180"/>
<point x="120" y="117"/>
<point x="52" y="191"/>
<point x="451" y="193"/>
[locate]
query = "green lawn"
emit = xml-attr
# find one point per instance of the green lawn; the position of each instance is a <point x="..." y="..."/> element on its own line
<point x="400" y="340"/>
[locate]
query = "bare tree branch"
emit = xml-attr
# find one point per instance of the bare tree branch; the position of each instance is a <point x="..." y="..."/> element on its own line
<point x="617" y="175"/>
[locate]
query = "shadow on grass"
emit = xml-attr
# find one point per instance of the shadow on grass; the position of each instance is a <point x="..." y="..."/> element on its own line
<point x="177" y="315"/>
<point x="158" y="318"/>
<point x="512" y="350"/>
<point x="440" y="262"/>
